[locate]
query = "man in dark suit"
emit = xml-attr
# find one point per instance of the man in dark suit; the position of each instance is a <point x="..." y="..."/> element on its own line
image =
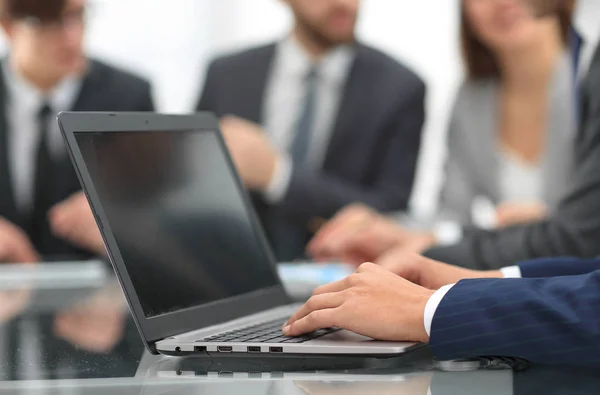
<point x="573" y="229"/>
<point x="317" y="121"/>
<point x="47" y="72"/>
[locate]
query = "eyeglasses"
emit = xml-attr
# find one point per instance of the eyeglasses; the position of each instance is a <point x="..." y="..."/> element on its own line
<point x="67" y="21"/>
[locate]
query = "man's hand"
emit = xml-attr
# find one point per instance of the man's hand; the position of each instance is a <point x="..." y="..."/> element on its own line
<point x="15" y="246"/>
<point x="253" y="154"/>
<point x="74" y="221"/>
<point x="426" y="272"/>
<point x="508" y="214"/>
<point x="372" y="302"/>
<point x="358" y="234"/>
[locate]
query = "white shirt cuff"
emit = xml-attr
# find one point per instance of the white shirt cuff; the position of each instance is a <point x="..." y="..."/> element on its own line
<point x="511" y="272"/>
<point x="447" y="233"/>
<point x="280" y="181"/>
<point x="432" y="305"/>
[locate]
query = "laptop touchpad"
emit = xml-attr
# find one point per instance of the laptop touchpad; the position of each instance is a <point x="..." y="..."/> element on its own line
<point x="346" y="336"/>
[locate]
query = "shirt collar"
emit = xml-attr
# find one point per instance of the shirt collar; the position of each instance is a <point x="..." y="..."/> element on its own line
<point x="334" y="66"/>
<point x="29" y="98"/>
<point x="585" y="22"/>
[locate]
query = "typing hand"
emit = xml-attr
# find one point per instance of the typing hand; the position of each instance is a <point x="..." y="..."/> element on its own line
<point x="358" y="234"/>
<point x="253" y="154"/>
<point x="372" y="302"/>
<point x="15" y="246"/>
<point x="74" y="221"/>
<point x="426" y="272"/>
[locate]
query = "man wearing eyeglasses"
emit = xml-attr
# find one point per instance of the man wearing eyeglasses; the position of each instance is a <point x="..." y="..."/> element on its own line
<point x="46" y="71"/>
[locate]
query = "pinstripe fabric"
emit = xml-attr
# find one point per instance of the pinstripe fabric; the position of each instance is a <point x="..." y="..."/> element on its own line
<point x="550" y="321"/>
<point x="552" y="267"/>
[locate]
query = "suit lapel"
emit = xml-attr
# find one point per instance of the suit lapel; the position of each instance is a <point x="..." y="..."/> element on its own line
<point x="255" y="86"/>
<point x="351" y="112"/>
<point x="8" y="206"/>
<point x="561" y="131"/>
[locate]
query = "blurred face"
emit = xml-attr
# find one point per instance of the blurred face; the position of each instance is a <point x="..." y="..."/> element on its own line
<point x="50" y="49"/>
<point x="330" y="22"/>
<point x="504" y="25"/>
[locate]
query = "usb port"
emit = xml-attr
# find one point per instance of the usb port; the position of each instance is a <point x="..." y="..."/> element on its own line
<point x="199" y="349"/>
<point x="253" y="349"/>
<point x="275" y="349"/>
<point x="225" y="348"/>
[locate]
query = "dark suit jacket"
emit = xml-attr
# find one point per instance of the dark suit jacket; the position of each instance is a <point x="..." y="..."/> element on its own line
<point x="375" y="144"/>
<point x="573" y="229"/>
<point x="552" y="320"/>
<point x="104" y="89"/>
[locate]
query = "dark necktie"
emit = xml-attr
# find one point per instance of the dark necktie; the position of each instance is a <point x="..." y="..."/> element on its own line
<point x="289" y="237"/>
<point x="575" y="47"/>
<point x="44" y="179"/>
<point x="305" y="123"/>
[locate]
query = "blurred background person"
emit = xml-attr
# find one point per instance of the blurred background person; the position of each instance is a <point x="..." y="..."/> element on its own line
<point x="512" y="130"/>
<point x="571" y="228"/>
<point x="513" y="124"/>
<point x="46" y="71"/>
<point x="316" y="121"/>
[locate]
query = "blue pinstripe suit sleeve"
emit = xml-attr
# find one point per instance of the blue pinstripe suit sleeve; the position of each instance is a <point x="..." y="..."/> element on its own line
<point x="550" y="321"/>
<point x="553" y="267"/>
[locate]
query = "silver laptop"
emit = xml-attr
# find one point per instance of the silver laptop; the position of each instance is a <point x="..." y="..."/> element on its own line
<point x="185" y="243"/>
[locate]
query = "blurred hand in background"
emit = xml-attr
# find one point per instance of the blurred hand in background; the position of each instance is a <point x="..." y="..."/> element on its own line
<point x="359" y="234"/>
<point x="74" y="221"/>
<point x="15" y="246"/>
<point x="508" y="214"/>
<point x="253" y="154"/>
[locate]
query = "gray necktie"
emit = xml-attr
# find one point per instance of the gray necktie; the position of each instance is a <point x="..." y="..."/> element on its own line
<point x="289" y="237"/>
<point x="306" y="121"/>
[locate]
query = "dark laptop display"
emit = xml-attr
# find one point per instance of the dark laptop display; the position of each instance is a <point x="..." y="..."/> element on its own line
<point x="178" y="216"/>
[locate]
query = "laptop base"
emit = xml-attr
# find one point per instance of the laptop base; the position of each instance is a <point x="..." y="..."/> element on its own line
<point x="203" y="364"/>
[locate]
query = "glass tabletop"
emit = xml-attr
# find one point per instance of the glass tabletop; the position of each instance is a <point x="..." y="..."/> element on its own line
<point x="65" y="329"/>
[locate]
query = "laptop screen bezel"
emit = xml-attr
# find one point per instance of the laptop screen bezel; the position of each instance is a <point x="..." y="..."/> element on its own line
<point x="153" y="329"/>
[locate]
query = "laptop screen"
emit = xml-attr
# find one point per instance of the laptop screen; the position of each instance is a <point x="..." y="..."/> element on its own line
<point x="177" y="214"/>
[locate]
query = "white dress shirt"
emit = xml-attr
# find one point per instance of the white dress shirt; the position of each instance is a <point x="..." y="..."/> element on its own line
<point x="586" y="21"/>
<point x="23" y="104"/>
<point x="435" y="299"/>
<point x="285" y="93"/>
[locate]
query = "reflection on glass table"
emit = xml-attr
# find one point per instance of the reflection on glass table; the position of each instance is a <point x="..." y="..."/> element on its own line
<point x="84" y="342"/>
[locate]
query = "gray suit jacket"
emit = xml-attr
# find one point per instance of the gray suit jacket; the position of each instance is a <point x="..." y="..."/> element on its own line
<point x="374" y="148"/>
<point x="473" y="154"/>
<point x="573" y="229"/>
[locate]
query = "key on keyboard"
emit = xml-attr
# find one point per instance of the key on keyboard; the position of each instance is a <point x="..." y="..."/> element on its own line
<point x="268" y="332"/>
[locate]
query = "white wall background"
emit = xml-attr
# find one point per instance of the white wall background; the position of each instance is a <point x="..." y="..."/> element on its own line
<point x="171" y="42"/>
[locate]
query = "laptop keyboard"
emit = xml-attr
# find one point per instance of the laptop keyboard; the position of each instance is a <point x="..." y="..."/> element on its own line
<point x="268" y="332"/>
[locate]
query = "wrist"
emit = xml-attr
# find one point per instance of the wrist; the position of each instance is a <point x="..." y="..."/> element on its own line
<point x="421" y="335"/>
<point x="489" y="274"/>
